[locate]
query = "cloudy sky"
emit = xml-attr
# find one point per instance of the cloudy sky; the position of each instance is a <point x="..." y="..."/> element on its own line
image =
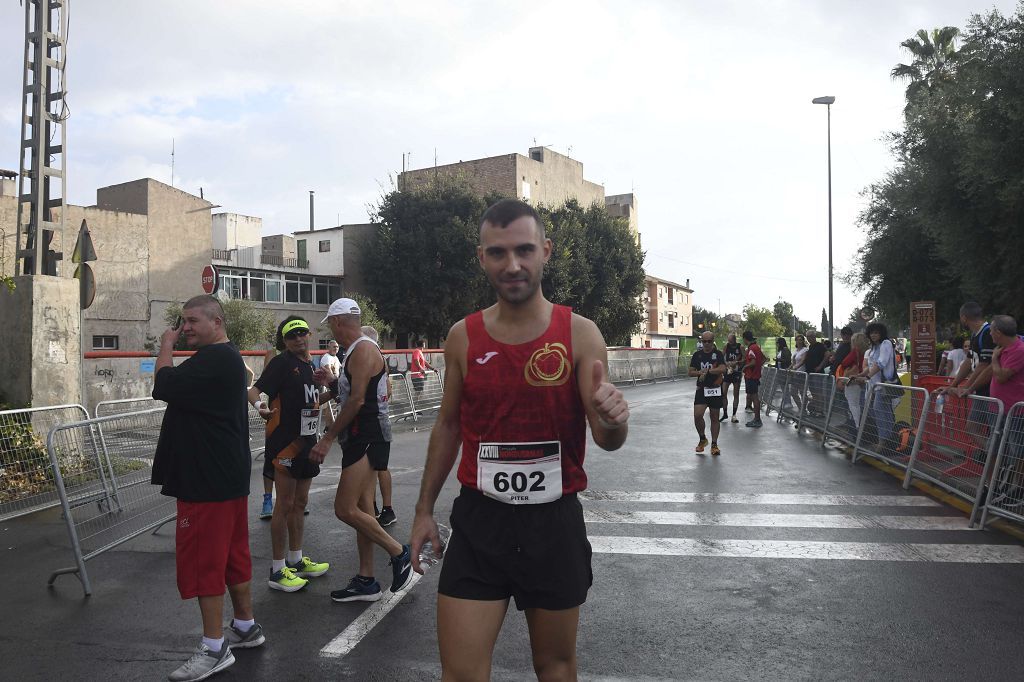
<point x="703" y="109"/>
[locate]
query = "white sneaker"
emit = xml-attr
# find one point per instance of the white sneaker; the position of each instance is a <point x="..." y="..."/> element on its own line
<point x="203" y="663"/>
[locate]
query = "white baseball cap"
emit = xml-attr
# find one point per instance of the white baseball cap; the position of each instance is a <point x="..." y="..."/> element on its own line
<point x="342" y="306"/>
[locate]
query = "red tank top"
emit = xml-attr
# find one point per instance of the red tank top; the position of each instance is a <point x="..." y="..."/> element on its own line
<point x="523" y="394"/>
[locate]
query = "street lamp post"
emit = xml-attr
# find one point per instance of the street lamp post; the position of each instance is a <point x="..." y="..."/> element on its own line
<point x="828" y="102"/>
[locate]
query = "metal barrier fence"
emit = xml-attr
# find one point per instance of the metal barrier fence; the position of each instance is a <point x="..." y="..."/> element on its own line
<point x="104" y="483"/>
<point x="427" y="392"/>
<point x="879" y="434"/>
<point x="959" y="439"/>
<point x="633" y="371"/>
<point x="768" y="375"/>
<point x="791" y="402"/>
<point x="106" y="408"/>
<point x="26" y="480"/>
<point x="620" y="371"/>
<point x="845" y="410"/>
<point x="1005" y="494"/>
<point x="816" y="400"/>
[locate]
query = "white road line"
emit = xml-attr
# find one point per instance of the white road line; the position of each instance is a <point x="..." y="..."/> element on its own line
<point x="777" y="520"/>
<point x="756" y="498"/>
<point x="779" y="549"/>
<point x="366" y="621"/>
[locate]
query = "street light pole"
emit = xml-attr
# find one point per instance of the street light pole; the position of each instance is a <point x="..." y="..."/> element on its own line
<point x="828" y="102"/>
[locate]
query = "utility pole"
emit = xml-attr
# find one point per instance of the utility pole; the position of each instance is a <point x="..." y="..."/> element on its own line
<point x="43" y="113"/>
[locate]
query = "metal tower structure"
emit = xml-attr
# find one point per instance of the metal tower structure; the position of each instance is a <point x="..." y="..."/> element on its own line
<point x="43" y="113"/>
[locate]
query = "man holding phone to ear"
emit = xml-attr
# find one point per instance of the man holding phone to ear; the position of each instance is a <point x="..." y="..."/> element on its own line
<point x="202" y="458"/>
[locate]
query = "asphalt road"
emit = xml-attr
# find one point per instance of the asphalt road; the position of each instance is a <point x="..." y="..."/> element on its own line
<point x="775" y="561"/>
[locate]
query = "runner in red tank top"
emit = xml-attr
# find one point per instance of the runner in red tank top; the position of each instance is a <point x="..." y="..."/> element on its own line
<point x="523" y="379"/>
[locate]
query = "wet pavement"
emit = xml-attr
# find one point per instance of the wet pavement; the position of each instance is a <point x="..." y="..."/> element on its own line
<point x="776" y="560"/>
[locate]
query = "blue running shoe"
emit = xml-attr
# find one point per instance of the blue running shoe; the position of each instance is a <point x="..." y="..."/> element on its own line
<point x="401" y="570"/>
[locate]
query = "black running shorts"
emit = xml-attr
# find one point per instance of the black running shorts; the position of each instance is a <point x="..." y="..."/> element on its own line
<point x="378" y="452"/>
<point x="753" y="385"/>
<point x="538" y="554"/>
<point x="713" y="401"/>
<point x="732" y="378"/>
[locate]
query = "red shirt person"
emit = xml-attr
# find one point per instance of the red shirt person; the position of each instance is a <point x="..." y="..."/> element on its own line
<point x="523" y="380"/>
<point x="752" y="375"/>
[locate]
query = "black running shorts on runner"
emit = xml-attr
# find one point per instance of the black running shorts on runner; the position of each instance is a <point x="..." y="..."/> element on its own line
<point x="753" y="385"/>
<point x="712" y="401"/>
<point x="378" y="453"/>
<point x="732" y="378"/>
<point x="537" y="554"/>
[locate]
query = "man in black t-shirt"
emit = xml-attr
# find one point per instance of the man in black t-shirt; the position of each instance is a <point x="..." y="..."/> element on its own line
<point x="977" y="381"/>
<point x="202" y="458"/>
<point x="846" y="336"/>
<point x="814" y="361"/>
<point x="708" y="365"/>
<point x="734" y="375"/>
<point x="293" y="417"/>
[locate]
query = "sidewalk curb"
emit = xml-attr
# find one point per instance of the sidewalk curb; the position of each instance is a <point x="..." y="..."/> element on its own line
<point x="941" y="495"/>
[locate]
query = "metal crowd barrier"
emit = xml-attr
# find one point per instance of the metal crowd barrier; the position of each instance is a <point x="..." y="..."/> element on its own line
<point x="427" y="395"/>
<point x="26" y="481"/>
<point x="816" y="400"/>
<point x="106" y="408"/>
<point x="620" y="371"/>
<point x="881" y="435"/>
<point x="401" y="406"/>
<point x="959" y="439"/>
<point x="768" y="375"/>
<point x="791" y="402"/>
<point x="633" y="371"/>
<point x="1005" y="494"/>
<point x="845" y="410"/>
<point x="102" y="468"/>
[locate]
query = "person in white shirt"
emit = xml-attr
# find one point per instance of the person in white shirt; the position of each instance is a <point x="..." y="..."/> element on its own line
<point x="329" y="360"/>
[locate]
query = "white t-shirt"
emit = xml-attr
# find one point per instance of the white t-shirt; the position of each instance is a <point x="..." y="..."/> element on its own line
<point x="332" y="361"/>
<point x="881" y="356"/>
<point x="798" y="356"/>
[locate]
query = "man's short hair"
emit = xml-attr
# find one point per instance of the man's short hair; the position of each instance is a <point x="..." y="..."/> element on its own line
<point x="507" y="211"/>
<point x="210" y="304"/>
<point x="812" y="335"/>
<point x="748" y="335"/>
<point x="971" y="311"/>
<point x="846" y="331"/>
<point x="1005" y="324"/>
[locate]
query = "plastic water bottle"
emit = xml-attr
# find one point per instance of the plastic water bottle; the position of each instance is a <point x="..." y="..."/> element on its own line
<point x="940" y="400"/>
<point x="426" y="556"/>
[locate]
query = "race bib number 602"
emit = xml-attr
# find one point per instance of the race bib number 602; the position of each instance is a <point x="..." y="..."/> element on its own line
<point x="520" y="473"/>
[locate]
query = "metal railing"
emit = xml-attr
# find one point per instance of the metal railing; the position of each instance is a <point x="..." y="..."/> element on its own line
<point x="106" y="408"/>
<point x="427" y="391"/>
<point x="1005" y="494"/>
<point x="107" y="496"/>
<point x="26" y="480"/>
<point x="816" y="401"/>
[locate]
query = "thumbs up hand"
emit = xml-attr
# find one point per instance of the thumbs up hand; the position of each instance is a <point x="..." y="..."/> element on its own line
<point x="612" y="410"/>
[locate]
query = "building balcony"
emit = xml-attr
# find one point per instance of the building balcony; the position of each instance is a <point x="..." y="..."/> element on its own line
<point x="253" y="258"/>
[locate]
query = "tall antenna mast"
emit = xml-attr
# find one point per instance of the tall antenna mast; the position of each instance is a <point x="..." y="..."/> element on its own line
<point x="172" y="162"/>
<point x="43" y="112"/>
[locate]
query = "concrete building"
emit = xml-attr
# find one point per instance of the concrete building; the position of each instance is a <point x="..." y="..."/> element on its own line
<point x="668" y="313"/>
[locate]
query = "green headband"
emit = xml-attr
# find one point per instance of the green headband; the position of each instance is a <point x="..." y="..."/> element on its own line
<point x="293" y="325"/>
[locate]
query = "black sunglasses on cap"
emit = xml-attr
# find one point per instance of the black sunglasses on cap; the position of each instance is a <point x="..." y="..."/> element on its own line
<point x="296" y="333"/>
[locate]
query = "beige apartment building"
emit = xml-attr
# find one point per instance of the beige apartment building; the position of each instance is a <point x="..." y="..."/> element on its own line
<point x="668" y="310"/>
<point x="545" y="177"/>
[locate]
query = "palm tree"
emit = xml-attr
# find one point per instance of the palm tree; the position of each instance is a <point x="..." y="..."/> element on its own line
<point x="934" y="58"/>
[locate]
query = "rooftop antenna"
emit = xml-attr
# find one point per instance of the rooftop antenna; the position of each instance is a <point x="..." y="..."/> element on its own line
<point x="311" y="209"/>
<point x="172" y="162"/>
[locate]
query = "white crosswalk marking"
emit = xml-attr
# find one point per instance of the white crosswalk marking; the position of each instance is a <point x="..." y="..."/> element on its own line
<point x="778" y="520"/>
<point x="620" y="507"/>
<point x="783" y="549"/>
<point x="766" y="499"/>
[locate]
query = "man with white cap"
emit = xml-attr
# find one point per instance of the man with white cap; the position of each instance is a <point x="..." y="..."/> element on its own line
<point x="364" y="433"/>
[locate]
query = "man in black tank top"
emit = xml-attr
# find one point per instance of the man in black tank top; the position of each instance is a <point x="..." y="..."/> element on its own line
<point x="364" y="430"/>
<point x="734" y="360"/>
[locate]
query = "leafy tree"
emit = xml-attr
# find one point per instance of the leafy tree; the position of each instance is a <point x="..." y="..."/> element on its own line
<point x="826" y="324"/>
<point x="945" y="224"/>
<point x="248" y="326"/>
<point x="783" y="313"/>
<point x="421" y="266"/>
<point x="369" y="316"/>
<point x="761" y="321"/>
<point x="702" y="319"/>
<point x="934" y="59"/>
<point x="596" y="267"/>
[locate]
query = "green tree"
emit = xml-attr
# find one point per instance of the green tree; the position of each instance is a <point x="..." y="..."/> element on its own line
<point x="933" y="61"/>
<point x="421" y="266"/>
<point x="783" y="314"/>
<point x="945" y="224"/>
<point x="248" y="327"/>
<point x="703" y="319"/>
<point x="369" y="316"/>
<point x="596" y="267"/>
<point x="761" y="321"/>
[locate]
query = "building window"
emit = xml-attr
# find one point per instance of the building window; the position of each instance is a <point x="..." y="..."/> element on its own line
<point x="272" y="290"/>
<point x="671" y="321"/>
<point x="671" y="291"/>
<point x="322" y="295"/>
<point x="104" y="343"/>
<point x="323" y="343"/>
<point x="673" y="343"/>
<point x="325" y="245"/>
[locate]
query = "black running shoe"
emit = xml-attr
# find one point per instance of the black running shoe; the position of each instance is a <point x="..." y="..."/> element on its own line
<point x="401" y="570"/>
<point x="387" y="517"/>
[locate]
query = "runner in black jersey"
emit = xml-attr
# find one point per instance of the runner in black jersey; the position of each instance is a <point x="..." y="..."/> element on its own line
<point x="734" y="375"/>
<point x="363" y="430"/>
<point x="292" y="417"/>
<point x="708" y="365"/>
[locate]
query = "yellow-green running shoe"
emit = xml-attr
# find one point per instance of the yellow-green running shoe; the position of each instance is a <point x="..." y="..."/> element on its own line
<point x="307" y="568"/>
<point x="286" y="580"/>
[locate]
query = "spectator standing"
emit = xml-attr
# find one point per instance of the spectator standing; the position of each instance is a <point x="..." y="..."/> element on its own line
<point x="953" y="358"/>
<point x="844" y="347"/>
<point x="850" y="375"/>
<point x="419" y="365"/>
<point x="881" y="367"/>
<point x="330" y="360"/>
<point x="783" y="356"/>
<point x="752" y="376"/>
<point x="1008" y="385"/>
<point x="202" y="459"/>
<point x="976" y="381"/>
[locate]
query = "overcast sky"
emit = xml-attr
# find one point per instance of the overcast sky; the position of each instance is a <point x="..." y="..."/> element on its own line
<point x="703" y="109"/>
